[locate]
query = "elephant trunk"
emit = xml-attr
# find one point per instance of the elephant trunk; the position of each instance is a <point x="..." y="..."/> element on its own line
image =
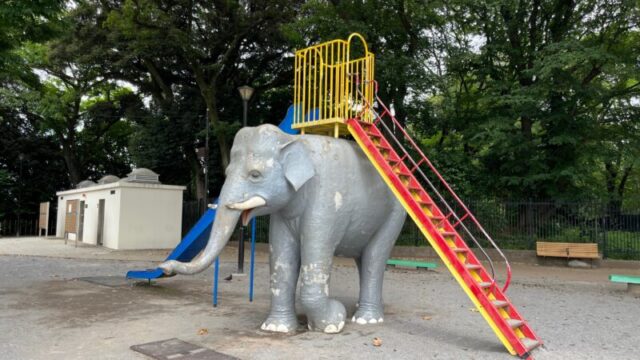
<point x="227" y="217"/>
<point x="223" y="226"/>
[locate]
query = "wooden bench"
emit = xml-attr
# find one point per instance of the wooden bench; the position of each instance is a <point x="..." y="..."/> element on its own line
<point x="633" y="282"/>
<point x="568" y="250"/>
<point x="411" y="264"/>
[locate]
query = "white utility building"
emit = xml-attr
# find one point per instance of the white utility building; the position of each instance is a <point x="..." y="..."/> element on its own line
<point x="136" y="212"/>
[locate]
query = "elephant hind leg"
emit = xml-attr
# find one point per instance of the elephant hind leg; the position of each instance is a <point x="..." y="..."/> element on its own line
<point x="372" y="265"/>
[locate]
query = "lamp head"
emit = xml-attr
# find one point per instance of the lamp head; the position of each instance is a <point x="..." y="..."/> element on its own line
<point x="246" y="92"/>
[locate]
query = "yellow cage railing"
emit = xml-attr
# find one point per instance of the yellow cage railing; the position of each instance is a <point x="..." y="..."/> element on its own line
<point x="326" y="83"/>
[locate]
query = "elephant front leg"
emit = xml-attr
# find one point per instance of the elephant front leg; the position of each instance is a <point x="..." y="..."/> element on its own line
<point x="323" y="313"/>
<point x="284" y="259"/>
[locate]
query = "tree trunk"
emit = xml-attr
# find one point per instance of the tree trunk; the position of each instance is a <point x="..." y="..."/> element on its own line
<point x="196" y="173"/>
<point x="212" y="117"/>
<point x="71" y="160"/>
<point x="615" y="190"/>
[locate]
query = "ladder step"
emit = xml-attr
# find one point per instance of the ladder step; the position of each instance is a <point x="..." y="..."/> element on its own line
<point x="514" y="323"/>
<point x="484" y="284"/>
<point x="499" y="303"/>
<point x="472" y="266"/>
<point x="529" y="343"/>
<point x="460" y="250"/>
<point x="437" y="220"/>
<point x="401" y="172"/>
<point x="449" y="233"/>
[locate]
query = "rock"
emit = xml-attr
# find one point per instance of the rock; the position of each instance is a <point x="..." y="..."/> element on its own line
<point x="579" y="264"/>
<point x="377" y="341"/>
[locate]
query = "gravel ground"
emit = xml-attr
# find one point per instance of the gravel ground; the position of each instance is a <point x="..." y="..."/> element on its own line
<point x="46" y="313"/>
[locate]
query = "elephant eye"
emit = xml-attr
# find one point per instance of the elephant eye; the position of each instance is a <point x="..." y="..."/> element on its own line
<point x="255" y="174"/>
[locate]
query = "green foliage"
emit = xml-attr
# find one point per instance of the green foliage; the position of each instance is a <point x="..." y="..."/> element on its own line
<point x="22" y="22"/>
<point x="509" y="99"/>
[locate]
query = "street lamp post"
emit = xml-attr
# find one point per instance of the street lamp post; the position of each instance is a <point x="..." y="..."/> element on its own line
<point x="245" y="93"/>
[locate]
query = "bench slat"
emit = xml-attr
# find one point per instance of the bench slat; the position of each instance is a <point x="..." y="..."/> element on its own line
<point x="627" y="279"/>
<point x="568" y="250"/>
<point x="411" y="263"/>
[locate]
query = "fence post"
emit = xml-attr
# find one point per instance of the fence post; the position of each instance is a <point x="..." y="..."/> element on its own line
<point x="529" y="220"/>
<point x="605" y="242"/>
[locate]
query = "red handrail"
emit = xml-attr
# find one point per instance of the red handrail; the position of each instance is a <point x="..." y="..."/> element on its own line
<point x="467" y="212"/>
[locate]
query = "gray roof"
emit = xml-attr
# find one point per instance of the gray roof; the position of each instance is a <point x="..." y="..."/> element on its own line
<point x="108" y="179"/>
<point x="85" y="184"/>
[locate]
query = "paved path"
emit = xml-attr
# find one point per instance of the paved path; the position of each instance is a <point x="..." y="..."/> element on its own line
<point x="45" y="313"/>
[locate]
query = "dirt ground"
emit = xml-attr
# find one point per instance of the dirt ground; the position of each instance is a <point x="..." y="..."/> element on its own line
<point x="47" y="313"/>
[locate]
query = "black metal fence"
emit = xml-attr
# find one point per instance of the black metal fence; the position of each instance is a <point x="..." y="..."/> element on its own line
<point x="513" y="224"/>
<point x="519" y="224"/>
<point x="26" y="225"/>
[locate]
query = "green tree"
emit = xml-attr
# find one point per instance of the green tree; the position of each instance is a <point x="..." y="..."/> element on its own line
<point x="189" y="57"/>
<point x="212" y="45"/>
<point x="20" y="22"/>
<point x="526" y="82"/>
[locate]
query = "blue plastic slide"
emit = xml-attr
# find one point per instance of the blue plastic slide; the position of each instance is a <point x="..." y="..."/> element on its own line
<point x="196" y="239"/>
<point x="189" y="247"/>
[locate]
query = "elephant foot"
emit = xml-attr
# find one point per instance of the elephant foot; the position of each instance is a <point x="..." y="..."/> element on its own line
<point x="280" y="323"/>
<point x="332" y="320"/>
<point x="368" y="315"/>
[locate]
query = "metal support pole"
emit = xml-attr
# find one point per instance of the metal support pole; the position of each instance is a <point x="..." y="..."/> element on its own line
<point x="241" y="251"/>
<point x="253" y="258"/>
<point x="18" y="208"/>
<point x="241" y="240"/>
<point x="216" y="271"/>
<point x="245" y="103"/>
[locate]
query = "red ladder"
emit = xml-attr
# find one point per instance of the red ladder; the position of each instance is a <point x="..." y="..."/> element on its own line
<point x="401" y="173"/>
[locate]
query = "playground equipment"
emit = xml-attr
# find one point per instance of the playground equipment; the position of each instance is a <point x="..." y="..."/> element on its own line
<point x="318" y="209"/>
<point x="355" y="213"/>
<point x="324" y="82"/>
<point x="196" y="239"/>
<point x="633" y="282"/>
<point x="349" y="101"/>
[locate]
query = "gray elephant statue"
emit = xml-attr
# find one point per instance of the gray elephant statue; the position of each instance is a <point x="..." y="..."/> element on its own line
<point x="324" y="198"/>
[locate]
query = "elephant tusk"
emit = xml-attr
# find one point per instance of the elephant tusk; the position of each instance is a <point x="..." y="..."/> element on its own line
<point x="254" y="202"/>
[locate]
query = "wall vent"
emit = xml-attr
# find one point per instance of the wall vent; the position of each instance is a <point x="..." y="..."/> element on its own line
<point x="142" y="175"/>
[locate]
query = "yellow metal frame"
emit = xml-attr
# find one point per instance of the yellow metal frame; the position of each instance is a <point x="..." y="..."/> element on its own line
<point x="331" y="87"/>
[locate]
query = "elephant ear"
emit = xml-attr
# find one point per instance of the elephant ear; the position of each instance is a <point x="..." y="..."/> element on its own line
<point x="297" y="165"/>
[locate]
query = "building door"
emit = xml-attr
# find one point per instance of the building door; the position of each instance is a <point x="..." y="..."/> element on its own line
<point x="71" y="218"/>
<point x="100" y="222"/>
<point x="81" y="221"/>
